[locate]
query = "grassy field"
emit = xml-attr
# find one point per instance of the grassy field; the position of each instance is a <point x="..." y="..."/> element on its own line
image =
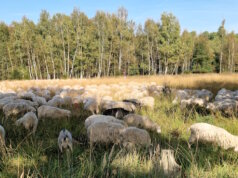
<point x="213" y="82"/>
<point x="38" y="156"/>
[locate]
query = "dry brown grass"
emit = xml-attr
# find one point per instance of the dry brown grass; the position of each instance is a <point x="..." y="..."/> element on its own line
<point x="212" y="82"/>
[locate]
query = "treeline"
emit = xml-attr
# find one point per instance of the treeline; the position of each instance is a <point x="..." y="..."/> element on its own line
<point x="76" y="46"/>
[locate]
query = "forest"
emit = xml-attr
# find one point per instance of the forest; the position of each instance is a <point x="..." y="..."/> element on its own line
<point x="110" y="44"/>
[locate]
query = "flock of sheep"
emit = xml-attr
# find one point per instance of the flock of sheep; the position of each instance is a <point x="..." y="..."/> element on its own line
<point x="113" y="107"/>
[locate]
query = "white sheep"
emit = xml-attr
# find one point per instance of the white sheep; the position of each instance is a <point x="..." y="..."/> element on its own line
<point x="40" y="100"/>
<point x="147" y="101"/>
<point x="141" y="122"/>
<point x="15" y="108"/>
<point x="2" y="135"/>
<point x="91" y="104"/>
<point x="132" y="136"/>
<point x="29" y="120"/>
<point x="45" y="111"/>
<point x="105" y="132"/>
<point x="65" y="140"/>
<point x="58" y="101"/>
<point x="101" y="118"/>
<point x="211" y="134"/>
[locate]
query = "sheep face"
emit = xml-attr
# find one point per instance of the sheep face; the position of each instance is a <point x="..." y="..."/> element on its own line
<point x="65" y="140"/>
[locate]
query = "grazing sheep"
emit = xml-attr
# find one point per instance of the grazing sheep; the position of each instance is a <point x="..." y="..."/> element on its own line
<point x="27" y="95"/>
<point x="46" y="94"/>
<point x="187" y="94"/>
<point x="193" y="102"/>
<point x="45" y="111"/>
<point x="102" y="118"/>
<point x="4" y="95"/>
<point x="91" y="104"/>
<point x="40" y="100"/>
<point x="132" y="136"/>
<point x="105" y="132"/>
<point x="29" y="120"/>
<point x="117" y="108"/>
<point x="6" y="100"/>
<point x="211" y="134"/>
<point x="227" y="106"/>
<point x="224" y="94"/>
<point x="2" y="135"/>
<point x="147" y="102"/>
<point x="15" y="108"/>
<point x="141" y="122"/>
<point x="65" y="140"/>
<point x="57" y="101"/>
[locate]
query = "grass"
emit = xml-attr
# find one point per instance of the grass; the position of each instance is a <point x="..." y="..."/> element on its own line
<point x="213" y="82"/>
<point x="39" y="156"/>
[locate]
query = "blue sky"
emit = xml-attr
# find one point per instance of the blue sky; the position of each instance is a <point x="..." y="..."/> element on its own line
<point x="199" y="15"/>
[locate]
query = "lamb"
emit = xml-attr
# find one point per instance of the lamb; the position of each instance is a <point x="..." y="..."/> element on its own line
<point x="211" y="134"/>
<point x="45" y="111"/>
<point x="65" y="140"/>
<point x="2" y="135"/>
<point x="102" y="118"/>
<point x="132" y="136"/>
<point x="29" y="120"/>
<point x="141" y="122"/>
<point x="105" y="132"/>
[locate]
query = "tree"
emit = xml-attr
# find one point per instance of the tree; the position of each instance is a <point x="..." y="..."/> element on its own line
<point x="202" y="56"/>
<point x="221" y="33"/>
<point x="170" y="34"/>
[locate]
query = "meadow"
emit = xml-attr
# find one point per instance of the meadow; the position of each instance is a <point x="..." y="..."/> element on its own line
<point x="26" y="155"/>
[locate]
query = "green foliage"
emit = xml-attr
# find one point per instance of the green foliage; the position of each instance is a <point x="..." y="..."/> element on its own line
<point x="202" y="57"/>
<point x="73" y="46"/>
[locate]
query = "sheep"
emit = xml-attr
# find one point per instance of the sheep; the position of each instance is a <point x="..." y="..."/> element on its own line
<point x="4" y="95"/>
<point x="105" y="132"/>
<point x="207" y="133"/>
<point x="6" y="100"/>
<point x="45" y="111"/>
<point x="102" y="118"/>
<point x="91" y="104"/>
<point x="147" y="102"/>
<point x="141" y="122"/>
<point x="193" y="101"/>
<point x="27" y="95"/>
<point x="2" y="135"/>
<point x="132" y="136"/>
<point x="65" y="140"/>
<point x="15" y="108"/>
<point x="40" y="100"/>
<point x="29" y="120"/>
<point x="58" y="101"/>
<point x="227" y="106"/>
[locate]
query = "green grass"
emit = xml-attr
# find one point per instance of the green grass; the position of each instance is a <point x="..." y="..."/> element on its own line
<point x="38" y="156"/>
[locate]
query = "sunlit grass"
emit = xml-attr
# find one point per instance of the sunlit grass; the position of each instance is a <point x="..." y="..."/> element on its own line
<point x="39" y="156"/>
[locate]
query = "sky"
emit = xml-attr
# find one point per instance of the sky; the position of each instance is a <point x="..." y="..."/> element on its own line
<point x="198" y="15"/>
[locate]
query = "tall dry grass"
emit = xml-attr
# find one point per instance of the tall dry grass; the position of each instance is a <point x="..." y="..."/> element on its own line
<point x="212" y="82"/>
